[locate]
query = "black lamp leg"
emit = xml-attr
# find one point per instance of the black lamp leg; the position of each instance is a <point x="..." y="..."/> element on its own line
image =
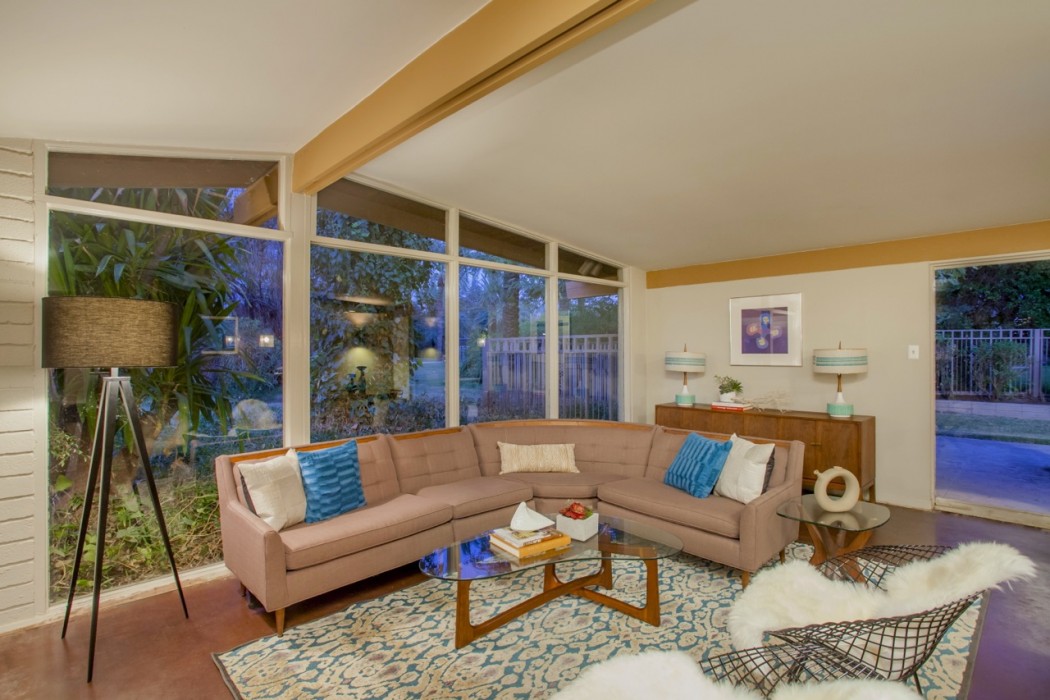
<point x="128" y="397"/>
<point x="109" y="418"/>
<point x="89" y="497"/>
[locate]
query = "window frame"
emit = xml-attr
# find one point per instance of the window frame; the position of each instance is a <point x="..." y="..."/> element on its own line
<point x="453" y="261"/>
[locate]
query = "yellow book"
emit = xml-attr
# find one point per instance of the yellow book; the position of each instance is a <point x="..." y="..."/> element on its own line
<point x="551" y="544"/>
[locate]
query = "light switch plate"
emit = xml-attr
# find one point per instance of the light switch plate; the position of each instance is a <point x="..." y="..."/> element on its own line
<point x="913" y="352"/>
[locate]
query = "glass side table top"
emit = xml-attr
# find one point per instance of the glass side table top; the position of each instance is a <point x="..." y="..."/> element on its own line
<point x="616" y="539"/>
<point x="861" y="517"/>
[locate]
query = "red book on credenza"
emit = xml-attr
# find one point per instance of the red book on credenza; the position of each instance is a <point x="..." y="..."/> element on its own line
<point x="730" y="406"/>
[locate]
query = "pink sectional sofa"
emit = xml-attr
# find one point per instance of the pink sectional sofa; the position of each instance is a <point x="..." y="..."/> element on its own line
<point x="424" y="490"/>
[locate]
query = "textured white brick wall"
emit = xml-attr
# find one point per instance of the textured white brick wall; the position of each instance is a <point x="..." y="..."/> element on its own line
<point x="20" y="445"/>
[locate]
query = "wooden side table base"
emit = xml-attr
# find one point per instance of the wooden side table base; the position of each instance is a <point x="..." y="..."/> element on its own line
<point x="831" y="542"/>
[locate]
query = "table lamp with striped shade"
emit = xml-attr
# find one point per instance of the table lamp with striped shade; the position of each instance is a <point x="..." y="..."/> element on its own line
<point x="840" y="361"/>
<point x="687" y="363"/>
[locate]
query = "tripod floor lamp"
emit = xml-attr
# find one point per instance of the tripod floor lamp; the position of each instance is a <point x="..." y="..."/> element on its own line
<point x="93" y="332"/>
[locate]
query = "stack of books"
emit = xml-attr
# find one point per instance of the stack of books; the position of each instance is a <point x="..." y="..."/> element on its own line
<point x="730" y="406"/>
<point x="528" y="543"/>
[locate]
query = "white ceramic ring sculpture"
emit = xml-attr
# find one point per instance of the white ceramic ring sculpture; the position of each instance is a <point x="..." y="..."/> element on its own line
<point x="849" y="496"/>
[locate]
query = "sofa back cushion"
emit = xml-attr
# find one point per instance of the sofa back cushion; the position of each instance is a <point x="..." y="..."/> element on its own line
<point x="667" y="442"/>
<point x="433" y="458"/>
<point x="607" y="447"/>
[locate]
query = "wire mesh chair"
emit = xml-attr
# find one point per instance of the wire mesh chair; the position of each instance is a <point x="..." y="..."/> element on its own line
<point x="871" y="565"/>
<point x="764" y="668"/>
<point x="890" y="648"/>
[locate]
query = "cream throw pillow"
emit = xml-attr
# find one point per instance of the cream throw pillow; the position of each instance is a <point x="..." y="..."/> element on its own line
<point x="275" y="487"/>
<point x="537" y="458"/>
<point x="744" y="474"/>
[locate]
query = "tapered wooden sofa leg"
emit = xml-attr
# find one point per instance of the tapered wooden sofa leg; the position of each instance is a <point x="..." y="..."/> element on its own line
<point x="745" y="578"/>
<point x="279" y="616"/>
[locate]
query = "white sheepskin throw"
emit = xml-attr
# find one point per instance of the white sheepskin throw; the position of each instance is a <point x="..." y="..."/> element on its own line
<point x="795" y="594"/>
<point x="968" y="569"/>
<point x="668" y="675"/>
<point x="848" y="689"/>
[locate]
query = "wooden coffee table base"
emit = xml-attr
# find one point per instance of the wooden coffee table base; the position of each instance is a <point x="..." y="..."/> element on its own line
<point x="553" y="587"/>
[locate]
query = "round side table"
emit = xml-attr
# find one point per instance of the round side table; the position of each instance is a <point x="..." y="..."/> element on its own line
<point x="835" y="533"/>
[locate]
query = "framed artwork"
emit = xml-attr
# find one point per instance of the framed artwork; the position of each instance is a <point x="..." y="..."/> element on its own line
<point x="225" y="332"/>
<point x="766" y="330"/>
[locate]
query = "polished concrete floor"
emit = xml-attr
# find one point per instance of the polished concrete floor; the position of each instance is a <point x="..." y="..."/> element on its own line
<point x="147" y="649"/>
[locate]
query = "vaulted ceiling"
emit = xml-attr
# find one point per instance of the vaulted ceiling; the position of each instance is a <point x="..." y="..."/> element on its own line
<point x="694" y="131"/>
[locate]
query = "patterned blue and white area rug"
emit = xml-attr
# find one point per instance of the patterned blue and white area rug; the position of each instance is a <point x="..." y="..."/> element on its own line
<point x="401" y="645"/>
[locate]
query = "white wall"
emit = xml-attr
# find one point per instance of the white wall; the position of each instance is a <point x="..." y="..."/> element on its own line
<point x="883" y="309"/>
<point x="22" y="589"/>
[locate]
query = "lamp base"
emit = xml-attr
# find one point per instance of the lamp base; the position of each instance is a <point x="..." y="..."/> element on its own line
<point x="840" y="410"/>
<point x="684" y="399"/>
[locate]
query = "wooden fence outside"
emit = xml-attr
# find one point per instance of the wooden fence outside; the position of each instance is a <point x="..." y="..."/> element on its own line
<point x="588" y="376"/>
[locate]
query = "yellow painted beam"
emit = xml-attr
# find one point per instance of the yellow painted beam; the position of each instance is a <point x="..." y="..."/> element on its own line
<point x="1004" y="240"/>
<point x="500" y="42"/>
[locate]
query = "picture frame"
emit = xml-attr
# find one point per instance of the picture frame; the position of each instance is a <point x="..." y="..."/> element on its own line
<point x="766" y="330"/>
<point x="226" y="335"/>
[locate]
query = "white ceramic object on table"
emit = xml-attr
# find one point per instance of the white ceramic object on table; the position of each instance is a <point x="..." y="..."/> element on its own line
<point x="849" y="496"/>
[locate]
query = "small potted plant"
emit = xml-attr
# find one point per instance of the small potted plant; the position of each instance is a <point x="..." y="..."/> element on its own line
<point x="728" y="388"/>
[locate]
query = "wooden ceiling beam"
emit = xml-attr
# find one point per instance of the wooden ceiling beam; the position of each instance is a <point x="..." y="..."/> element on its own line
<point x="500" y="42"/>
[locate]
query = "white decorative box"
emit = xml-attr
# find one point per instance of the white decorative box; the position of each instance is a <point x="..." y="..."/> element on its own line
<point x="578" y="529"/>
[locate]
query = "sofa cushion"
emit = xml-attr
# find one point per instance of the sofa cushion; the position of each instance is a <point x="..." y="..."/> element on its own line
<point x="479" y="494"/>
<point x="433" y="457"/>
<point x="567" y="486"/>
<point x="309" y="544"/>
<point x="744" y="476"/>
<point x="611" y="448"/>
<point x="715" y="514"/>
<point x="536" y="458"/>
<point x="274" y="490"/>
<point x="332" y="481"/>
<point x="697" y="465"/>
<point x="378" y="477"/>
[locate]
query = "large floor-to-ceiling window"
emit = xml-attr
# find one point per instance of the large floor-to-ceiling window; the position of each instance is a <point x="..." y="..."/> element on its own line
<point x="420" y="316"/>
<point x="197" y="232"/>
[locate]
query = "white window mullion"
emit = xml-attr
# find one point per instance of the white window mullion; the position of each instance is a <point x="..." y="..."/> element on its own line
<point x="553" y="336"/>
<point x="452" y="321"/>
<point x="297" y="319"/>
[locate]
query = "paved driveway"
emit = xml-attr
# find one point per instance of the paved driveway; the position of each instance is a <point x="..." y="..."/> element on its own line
<point x="1009" y="475"/>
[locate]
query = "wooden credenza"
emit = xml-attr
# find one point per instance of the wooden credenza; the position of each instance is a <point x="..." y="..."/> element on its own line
<point x="845" y="442"/>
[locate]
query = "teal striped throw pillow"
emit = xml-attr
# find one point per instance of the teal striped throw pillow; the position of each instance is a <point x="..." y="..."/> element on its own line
<point x="696" y="467"/>
<point x="332" y="481"/>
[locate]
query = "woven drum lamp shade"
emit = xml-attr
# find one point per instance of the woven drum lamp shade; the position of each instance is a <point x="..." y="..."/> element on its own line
<point x="109" y="332"/>
<point x="691" y="362"/>
<point x="840" y="361"/>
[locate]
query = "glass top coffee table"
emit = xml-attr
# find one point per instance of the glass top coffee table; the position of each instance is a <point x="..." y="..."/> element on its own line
<point x="829" y="530"/>
<point x="617" y="539"/>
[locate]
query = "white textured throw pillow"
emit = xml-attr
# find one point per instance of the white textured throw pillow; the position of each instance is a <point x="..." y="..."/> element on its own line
<point x="275" y="487"/>
<point x="745" y="470"/>
<point x="537" y="458"/>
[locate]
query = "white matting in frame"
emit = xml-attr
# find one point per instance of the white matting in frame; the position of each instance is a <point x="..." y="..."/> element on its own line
<point x="766" y="330"/>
